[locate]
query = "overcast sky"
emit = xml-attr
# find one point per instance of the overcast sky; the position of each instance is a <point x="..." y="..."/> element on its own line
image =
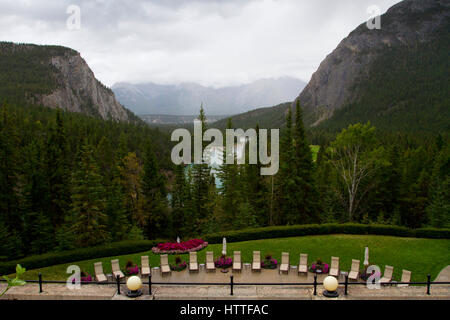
<point x="211" y="42"/>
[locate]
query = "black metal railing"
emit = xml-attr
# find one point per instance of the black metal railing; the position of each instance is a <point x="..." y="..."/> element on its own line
<point x="232" y="284"/>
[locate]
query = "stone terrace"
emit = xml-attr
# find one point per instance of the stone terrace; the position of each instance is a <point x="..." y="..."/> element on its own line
<point x="204" y="292"/>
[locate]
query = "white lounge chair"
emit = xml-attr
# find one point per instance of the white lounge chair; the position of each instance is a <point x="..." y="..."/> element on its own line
<point x="165" y="268"/>
<point x="334" y="269"/>
<point x="210" y="261"/>
<point x="387" y="277"/>
<point x="354" y="271"/>
<point x="145" y="266"/>
<point x="193" y="263"/>
<point x="284" y="267"/>
<point x="99" y="275"/>
<point x="406" y="277"/>
<point x="237" y="263"/>
<point x="116" y="269"/>
<point x="256" y="265"/>
<point x="303" y="263"/>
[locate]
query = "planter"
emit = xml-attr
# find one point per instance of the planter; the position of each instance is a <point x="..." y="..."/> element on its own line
<point x="178" y="267"/>
<point x="269" y="264"/>
<point x="223" y="263"/>
<point x="319" y="268"/>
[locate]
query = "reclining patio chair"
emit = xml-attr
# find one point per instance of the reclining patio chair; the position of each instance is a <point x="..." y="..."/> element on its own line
<point x="145" y="266"/>
<point x="354" y="271"/>
<point x="303" y="264"/>
<point x="99" y="275"/>
<point x="210" y="261"/>
<point x="193" y="263"/>
<point x="256" y="265"/>
<point x="406" y="277"/>
<point x="284" y="267"/>
<point x="116" y="269"/>
<point x="334" y="269"/>
<point x="237" y="263"/>
<point x="387" y="277"/>
<point x="165" y="268"/>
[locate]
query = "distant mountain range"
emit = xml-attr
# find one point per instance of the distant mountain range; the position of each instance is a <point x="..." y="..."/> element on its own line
<point x="186" y="98"/>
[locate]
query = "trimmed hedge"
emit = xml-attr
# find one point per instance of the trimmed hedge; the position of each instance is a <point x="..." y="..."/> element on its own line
<point x="322" y="229"/>
<point x="54" y="258"/>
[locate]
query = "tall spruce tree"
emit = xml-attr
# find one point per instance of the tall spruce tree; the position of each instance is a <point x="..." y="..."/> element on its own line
<point x="179" y="202"/>
<point x="155" y="197"/>
<point x="88" y="201"/>
<point x="305" y="192"/>
<point x="57" y="172"/>
<point x="201" y="183"/>
<point x="285" y="184"/>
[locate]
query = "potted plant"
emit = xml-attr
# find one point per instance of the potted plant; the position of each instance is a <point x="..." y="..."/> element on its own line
<point x="364" y="275"/>
<point x="223" y="263"/>
<point x="84" y="277"/>
<point x="319" y="267"/>
<point x="131" y="269"/>
<point x="269" y="262"/>
<point x="179" y="265"/>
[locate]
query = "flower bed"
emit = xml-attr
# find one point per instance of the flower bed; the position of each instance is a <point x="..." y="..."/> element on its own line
<point x="180" y="248"/>
<point x="319" y="267"/>
<point x="223" y="262"/>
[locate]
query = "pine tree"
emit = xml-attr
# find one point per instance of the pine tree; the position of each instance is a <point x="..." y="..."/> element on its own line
<point x="305" y="189"/>
<point x="256" y="191"/>
<point x="285" y="184"/>
<point x="201" y="181"/>
<point x="229" y="189"/>
<point x="88" y="201"/>
<point x="57" y="172"/>
<point x="8" y="171"/>
<point x="130" y="172"/>
<point x="155" y="197"/>
<point x="179" y="201"/>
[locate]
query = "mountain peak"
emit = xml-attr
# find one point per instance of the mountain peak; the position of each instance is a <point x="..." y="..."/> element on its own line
<point x="56" y="77"/>
<point x="404" y="25"/>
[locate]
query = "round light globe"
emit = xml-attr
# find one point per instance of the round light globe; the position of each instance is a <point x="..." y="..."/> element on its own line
<point x="330" y="284"/>
<point x="134" y="283"/>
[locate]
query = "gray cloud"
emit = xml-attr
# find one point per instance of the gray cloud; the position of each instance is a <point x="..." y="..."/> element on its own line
<point x="212" y="42"/>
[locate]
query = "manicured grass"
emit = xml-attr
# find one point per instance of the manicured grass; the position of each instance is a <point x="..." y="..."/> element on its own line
<point x="421" y="256"/>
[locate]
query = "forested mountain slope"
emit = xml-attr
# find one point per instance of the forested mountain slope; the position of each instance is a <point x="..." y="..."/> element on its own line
<point x="55" y="77"/>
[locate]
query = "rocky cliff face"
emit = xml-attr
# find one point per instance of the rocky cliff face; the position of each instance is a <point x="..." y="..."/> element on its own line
<point x="80" y="91"/>
<point x="332" y="85"/>
<point x="57" y="77"/>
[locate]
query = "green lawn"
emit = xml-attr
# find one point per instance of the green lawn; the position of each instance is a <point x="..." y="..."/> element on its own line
<point x="421" y="256"/>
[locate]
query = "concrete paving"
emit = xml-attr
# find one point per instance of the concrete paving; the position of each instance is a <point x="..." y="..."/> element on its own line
<point x="247" y="292"/>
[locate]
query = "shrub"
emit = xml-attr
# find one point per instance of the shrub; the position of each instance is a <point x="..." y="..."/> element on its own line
<point x="54" y="258"/>
<point x="323" y="229"/>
